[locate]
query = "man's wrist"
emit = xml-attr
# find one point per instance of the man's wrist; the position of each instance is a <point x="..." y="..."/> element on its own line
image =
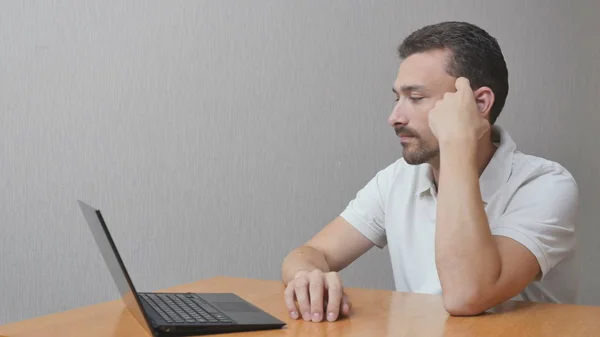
<point x="458" y="157"/>
<point x="462" y="140"/>
<point x="461" y="147"/>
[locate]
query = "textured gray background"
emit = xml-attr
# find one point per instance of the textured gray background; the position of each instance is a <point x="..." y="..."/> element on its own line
<point x="217" y="135"/>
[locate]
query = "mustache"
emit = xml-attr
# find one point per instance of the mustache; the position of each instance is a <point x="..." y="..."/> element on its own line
<point x="405" y="131"/>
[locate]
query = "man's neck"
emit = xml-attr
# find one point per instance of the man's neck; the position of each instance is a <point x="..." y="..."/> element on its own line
<point x="485" y="152"/>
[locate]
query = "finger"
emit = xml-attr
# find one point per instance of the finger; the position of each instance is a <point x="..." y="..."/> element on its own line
<point x="346" y="305"/>
<point x="301" y="289"/>
<point x="316" y="296"/>
<point x="462" y="83"/>
<point x="334" y="289"/>
<point x="288" y="296"/>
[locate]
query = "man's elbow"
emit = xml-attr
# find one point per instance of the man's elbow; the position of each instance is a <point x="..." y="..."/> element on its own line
<point x="465" y="303"/>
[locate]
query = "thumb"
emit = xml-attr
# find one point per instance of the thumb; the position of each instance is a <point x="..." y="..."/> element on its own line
<point x="346" y="305"/>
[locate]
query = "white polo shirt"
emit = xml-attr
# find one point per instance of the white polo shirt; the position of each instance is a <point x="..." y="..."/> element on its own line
<point x="529" y="199"/>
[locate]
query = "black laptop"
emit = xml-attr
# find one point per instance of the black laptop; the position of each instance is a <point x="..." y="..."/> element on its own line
<point x="176" y="314"/>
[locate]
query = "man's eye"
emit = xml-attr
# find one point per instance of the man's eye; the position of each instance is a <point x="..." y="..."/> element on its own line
<point x="415" y="99"/>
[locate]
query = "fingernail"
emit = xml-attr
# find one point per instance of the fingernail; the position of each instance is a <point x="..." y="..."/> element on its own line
<point x="294" y="315"/>
<point x="306" y="316"/>
<point x="316" y="317"/>
<point x="331" y="317"/>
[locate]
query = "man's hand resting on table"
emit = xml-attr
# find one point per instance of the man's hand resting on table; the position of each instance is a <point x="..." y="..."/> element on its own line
<point x="314" y="289"/>
<point x="316" y="296"/>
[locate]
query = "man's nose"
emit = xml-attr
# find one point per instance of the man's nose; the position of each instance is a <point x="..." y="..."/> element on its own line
<point x="397" y="116"/>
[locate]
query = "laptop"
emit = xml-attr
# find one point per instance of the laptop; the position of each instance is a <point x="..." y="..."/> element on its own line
<point x="176" y="314"/>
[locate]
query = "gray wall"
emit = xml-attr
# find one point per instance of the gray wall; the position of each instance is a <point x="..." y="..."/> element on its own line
<point x="217" y="135"/>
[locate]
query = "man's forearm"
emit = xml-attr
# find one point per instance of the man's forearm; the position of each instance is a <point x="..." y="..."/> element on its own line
<point x="303" y="258"/>
<point x="467" y="259"/>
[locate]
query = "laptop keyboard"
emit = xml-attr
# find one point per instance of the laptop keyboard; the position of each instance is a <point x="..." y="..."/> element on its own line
<point x="184" y="308"/>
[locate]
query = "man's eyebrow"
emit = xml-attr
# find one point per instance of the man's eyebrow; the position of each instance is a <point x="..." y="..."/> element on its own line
<point x="412" y="87"/>
<point x="409" y="88"/>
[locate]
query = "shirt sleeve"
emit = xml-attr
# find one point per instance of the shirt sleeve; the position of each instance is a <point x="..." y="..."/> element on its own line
<point x="541" y="216"/>
<point x="366" y="212"/>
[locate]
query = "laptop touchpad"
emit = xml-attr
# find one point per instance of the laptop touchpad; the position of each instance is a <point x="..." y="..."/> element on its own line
<point x="235" y="306"/>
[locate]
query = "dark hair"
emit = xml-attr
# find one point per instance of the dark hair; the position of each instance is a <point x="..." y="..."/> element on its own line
<point x="474" y="54"/>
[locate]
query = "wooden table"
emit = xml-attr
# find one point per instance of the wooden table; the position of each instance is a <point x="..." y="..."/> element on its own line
<point x="375" y="313"/>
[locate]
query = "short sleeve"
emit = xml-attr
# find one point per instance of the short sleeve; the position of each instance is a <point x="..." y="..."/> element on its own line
<point x="542" y="215"/>
<point x="366" y="212"/>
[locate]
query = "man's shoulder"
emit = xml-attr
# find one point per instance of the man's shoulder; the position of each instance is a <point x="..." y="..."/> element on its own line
<point x="543" y="178"/>
<point x="531" y="167"/>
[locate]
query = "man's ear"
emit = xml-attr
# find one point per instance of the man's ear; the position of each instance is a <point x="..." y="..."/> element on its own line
<point x="484" y="98"/>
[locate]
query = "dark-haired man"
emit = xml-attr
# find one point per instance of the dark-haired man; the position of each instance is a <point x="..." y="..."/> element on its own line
<point x="463" y="213"/>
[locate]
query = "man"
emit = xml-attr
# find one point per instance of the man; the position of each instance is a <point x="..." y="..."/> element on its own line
<point x="463" y="213"/>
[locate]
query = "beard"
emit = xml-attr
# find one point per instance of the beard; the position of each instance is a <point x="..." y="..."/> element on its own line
<point x="416" y="152"/>
<point x="419" y="155"/>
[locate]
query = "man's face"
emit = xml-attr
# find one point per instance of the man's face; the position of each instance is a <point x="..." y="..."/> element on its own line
<point x="422" y="81"/>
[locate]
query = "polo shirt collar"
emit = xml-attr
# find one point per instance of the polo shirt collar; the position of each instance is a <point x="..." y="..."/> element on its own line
<point x="498" y="170"/>
<point x="426" y="180"/>
<point x="494" y="175"/>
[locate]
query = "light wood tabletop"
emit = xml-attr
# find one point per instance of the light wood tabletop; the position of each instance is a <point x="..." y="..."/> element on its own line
<point x="375" y="313"/>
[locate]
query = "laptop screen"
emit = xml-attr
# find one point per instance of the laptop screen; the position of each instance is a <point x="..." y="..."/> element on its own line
<point x="114" y="262"/>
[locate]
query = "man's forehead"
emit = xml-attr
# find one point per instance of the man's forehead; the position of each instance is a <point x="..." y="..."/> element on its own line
<point x="427" y="68"/>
